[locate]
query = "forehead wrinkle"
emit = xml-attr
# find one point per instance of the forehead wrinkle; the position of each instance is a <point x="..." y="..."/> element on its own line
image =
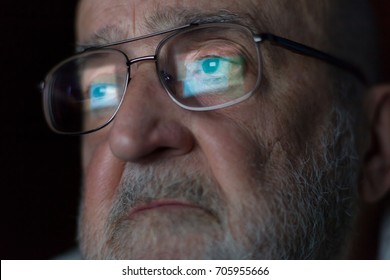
<point x="165" y="17"/>
<point x="169" y="17"/>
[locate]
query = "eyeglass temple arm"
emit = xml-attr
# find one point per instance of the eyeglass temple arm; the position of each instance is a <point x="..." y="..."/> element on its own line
<point x="308" y="51"/>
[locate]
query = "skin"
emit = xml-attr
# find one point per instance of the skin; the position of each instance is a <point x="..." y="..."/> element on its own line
<point x="247" y="160"/>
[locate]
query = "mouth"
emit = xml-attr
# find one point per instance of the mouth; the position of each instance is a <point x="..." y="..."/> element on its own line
<point x="164" y="205"/>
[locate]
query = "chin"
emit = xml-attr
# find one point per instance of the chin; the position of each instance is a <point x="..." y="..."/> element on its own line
<point x="167" y="235"/>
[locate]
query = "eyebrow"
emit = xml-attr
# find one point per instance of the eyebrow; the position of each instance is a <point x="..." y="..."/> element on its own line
<point x="171" y="17"/>
<point x="168" y="18"/>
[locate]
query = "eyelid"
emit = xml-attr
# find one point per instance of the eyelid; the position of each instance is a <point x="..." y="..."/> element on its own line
<point x="209" y="52"/>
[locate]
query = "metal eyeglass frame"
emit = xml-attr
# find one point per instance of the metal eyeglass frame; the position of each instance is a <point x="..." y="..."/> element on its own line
<point x="258" y="38"/>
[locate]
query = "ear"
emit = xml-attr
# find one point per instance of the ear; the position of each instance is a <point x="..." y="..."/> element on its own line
<point x="376" y="173"/>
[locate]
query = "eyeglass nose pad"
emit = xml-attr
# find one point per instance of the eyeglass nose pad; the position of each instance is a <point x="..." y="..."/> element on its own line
<point x="166" y="77"/>
<point x="133" y="68"/>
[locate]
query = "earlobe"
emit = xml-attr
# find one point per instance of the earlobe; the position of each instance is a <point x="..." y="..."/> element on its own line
<point x="376" y="175"/>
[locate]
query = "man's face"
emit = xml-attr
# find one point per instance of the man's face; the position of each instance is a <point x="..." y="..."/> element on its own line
<point x="265" y="178"/>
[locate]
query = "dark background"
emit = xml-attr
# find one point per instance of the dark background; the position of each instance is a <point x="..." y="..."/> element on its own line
<point x="40" y="174"/>
<point x="39" y="170"/>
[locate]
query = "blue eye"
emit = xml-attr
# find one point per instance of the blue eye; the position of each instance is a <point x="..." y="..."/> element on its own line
<point x="213" y="75"/>
<point x="210" y="65"/>
<point x="98" y="90"/>
<point x="103" y="95"/>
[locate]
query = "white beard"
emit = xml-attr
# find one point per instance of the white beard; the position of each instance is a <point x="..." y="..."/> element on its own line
<point x="301" y="210"/>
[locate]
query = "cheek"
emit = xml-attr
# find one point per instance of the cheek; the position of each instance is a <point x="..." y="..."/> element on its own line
<point x="102" y="174"/>
<point x="233" y="156"/>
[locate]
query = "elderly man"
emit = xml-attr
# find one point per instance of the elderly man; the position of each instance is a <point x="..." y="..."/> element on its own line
<point x="217" y="129"/>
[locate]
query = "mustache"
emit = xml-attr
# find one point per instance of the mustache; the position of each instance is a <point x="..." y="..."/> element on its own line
<point x="144" y="184"/>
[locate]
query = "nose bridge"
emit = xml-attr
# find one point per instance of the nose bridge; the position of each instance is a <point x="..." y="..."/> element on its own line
<point x="133" y="63"/>
<point x="143" y="88"/>
<point x="145" y="125"/>
<point x="141" y="58"/>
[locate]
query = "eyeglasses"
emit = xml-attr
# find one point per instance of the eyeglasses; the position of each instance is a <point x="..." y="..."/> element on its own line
<point x="201" y="67"/>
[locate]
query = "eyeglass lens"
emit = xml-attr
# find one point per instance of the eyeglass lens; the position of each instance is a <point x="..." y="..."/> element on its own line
<point x="203" y="68"/>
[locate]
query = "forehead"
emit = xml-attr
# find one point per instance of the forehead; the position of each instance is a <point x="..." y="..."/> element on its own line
<point x="130" y="18"/>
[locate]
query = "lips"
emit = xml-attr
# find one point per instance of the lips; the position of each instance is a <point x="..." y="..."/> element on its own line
<point x="161" y="205"/>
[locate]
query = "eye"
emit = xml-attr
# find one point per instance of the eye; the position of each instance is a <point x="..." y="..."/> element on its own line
<point x="213" y="75"/>
<point x="103" y="95"/>
<point x="210" y="65"/>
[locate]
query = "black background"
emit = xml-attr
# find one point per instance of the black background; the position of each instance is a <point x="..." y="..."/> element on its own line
<point x="39" y="172"/>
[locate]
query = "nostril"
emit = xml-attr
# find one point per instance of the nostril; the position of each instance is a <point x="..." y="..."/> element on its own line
<point x="163" y="152"/>
<point x="159" y="152"/>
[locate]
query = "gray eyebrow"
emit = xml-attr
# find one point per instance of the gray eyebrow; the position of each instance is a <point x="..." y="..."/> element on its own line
<point x="105" y="35"/>
<point x="167" y="18"/>
<point x="171" y="17"/>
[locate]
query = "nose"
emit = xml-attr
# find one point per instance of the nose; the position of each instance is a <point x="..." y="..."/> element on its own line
<point x="148" y="124"/>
